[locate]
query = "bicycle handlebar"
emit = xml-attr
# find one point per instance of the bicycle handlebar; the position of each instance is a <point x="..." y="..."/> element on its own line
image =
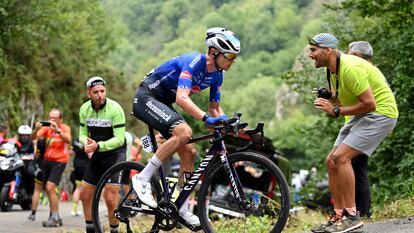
<point x="233" y="125"/>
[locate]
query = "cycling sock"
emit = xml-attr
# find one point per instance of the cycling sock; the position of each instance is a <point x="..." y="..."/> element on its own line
<point x="55" y="216"/>
<point x="114" y="228"/>
<point x="150" y="168"/>
<point x="352" y="211"/>
<point x="184" y="207"/>
<point x="75" y="206"/>
<point x="89" y="227"/>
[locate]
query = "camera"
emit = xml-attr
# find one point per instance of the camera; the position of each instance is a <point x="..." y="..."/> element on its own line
<point x="323" y="93"/>
<point x="45" y="123"/>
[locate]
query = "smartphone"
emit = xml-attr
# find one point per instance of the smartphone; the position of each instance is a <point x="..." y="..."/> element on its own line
<point x="45" y="123"/>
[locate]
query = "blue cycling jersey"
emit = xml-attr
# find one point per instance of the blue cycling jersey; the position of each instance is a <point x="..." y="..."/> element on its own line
<point x="188" y="71"/>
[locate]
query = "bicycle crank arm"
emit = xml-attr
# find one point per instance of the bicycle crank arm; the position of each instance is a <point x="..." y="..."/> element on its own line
<point x="189" y="226"/>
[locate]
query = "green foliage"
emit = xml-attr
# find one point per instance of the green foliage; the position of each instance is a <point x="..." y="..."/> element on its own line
<point x="260" y="90"/>
<point x="48" y="50"/>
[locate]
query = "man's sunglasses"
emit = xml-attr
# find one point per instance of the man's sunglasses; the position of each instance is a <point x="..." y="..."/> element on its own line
<point x="230" y="56"/>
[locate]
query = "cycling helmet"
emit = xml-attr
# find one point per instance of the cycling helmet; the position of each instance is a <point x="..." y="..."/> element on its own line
<point x="223" y="40"/>
<point x="24" y="129"/>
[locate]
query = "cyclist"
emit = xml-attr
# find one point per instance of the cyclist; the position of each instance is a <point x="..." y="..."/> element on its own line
<point x="360" y="91"/>
<point x="102" y="132"/>
<point x="174" y="82"/>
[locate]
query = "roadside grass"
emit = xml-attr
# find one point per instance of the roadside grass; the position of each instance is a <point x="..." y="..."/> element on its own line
<point x="396" y="209"/>
<point x="304" y="220"/>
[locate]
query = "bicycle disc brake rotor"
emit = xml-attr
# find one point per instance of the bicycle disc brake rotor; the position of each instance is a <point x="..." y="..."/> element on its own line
<point x="169" y="219"/>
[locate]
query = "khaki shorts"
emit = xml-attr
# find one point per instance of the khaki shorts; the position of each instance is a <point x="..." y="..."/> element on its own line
<point x="364" y="133"/>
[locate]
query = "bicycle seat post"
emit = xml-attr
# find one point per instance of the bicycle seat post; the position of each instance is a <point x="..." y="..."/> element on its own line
<point x="153" y="141"/>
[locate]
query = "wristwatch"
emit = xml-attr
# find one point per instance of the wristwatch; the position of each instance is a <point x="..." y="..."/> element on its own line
<point x="59" y="131"/>
<point x="336" y="111"/>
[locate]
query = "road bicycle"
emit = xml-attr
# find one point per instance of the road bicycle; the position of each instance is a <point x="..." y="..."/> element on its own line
<point x="239" y="192"/>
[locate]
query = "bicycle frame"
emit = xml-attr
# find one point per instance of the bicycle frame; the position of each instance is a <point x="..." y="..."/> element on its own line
<point x="217" y="149"/>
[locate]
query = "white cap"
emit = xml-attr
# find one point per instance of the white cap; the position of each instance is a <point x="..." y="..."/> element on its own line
<point x="94" y="81"/>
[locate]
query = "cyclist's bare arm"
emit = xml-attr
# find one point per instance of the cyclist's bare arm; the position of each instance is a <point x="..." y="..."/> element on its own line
<point x="214" y="109"/>
<point x="184" y="101"/>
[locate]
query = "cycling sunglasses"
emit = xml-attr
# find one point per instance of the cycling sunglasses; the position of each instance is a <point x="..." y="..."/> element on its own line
<point x="230" y="56"/>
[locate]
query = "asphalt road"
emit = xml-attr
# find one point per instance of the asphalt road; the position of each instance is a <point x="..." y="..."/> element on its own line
<point x="16" y="221"/>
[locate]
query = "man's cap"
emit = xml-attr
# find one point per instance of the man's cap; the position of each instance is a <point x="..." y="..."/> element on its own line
<point x="94" y="81"/>
<point x="325" y="40"/>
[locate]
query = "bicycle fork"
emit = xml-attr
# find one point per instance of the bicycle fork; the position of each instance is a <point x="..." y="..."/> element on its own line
<point x="234" y="180"/>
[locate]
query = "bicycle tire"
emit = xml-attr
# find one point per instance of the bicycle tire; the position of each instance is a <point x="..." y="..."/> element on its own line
<point x="137" y="220"/>
<point x="217" y="207"/>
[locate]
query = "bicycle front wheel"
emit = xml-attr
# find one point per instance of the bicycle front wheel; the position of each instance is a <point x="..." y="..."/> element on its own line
<point x="116" y="203"/>
<point x="265" y="192"/>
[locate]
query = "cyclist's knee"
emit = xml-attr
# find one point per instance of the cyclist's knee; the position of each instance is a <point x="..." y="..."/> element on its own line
<point x="85" y="193"/>
<point x="50" y="187"/>
<point x="110" y="197"/>
<point x="183" y="132"/>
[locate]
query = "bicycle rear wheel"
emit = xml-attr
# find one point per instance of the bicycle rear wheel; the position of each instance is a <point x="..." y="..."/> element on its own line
<point x="124" y="205"/>
<point x="264" y="187"/>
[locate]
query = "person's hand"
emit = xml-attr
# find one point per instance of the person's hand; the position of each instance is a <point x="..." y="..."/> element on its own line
<point x="38" y="125"/>
<point x="324" y="105"/>
<point x="90" y="147"/>
<point x="212" y="120"/>
<point x="54" y="125"/>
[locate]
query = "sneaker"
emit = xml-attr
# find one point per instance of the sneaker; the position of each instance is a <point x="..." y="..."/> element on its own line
<point x="75" y="213"/>
<point x="322" y="227"/>
<point x="52" y="223"/>
<point x="144" y="192"/>
<point x="191" y="219"/>
<point x="346" y="224"/>
<point x="32" y="217"/>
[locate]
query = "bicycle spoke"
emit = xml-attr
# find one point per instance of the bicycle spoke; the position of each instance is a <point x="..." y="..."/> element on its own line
<point x="265" y="192"/>
<point x="123" y="202"/>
